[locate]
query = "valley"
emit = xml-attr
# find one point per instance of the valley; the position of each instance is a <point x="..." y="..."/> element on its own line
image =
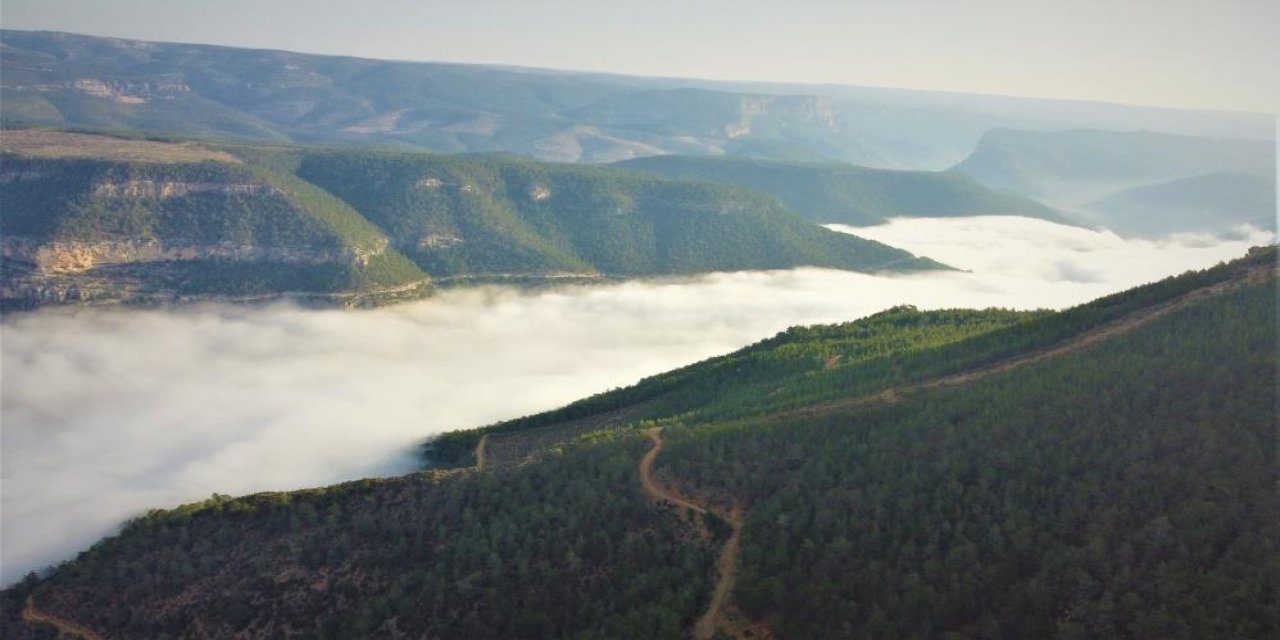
<point x="901" y="321"/>
<point x="125" y="381"/>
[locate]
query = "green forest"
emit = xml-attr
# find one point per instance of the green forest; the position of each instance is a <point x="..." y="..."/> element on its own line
<point x="1107" y="471"/>
<point x="1126" y="492"/>
<point x="458" y="215"/>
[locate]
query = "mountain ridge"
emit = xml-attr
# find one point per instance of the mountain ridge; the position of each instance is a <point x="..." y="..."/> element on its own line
<point x="189" y="90"/>
<point x="848" y="194"/>
<point x="175" y="220"/>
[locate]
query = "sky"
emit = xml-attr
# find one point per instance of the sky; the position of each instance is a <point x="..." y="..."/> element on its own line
<point x="1219" y="54"/>
<point x="117" y="411"/>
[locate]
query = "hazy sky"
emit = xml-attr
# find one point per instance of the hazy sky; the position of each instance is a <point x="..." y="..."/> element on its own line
<point x="1182" y="53"/>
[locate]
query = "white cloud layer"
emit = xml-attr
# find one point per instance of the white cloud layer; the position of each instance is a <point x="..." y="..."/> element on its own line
<point x="107" y="413"/>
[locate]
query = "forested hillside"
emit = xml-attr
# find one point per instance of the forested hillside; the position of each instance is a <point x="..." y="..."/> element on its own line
<point x="95" y="218"/>
<point x="477" y="215"/>
<point x="1123" y="492"/>
<point x="849" y="194"/>
<point x="1106" y="471"/>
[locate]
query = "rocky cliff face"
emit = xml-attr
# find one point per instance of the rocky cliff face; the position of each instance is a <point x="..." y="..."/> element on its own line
<point x="813" y="111"/>
<point x="50" y="257"/>
<point x="95" y="219"/>
<point x="170" y="189"/>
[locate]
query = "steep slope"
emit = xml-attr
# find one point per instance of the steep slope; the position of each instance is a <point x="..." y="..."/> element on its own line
<point x="1209" y="202"/>
<point x="92" y="218"/>
<point x="1081" y="497"/>
<point x="67" y="80"/>
<point x="492" y="215"/>
<point x="1104" y="471"/>
<point x="849" y="194"/>
<point x="1071" y="168"/>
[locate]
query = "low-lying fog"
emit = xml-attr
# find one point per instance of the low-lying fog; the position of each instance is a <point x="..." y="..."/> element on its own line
<point x="107" y="413"/>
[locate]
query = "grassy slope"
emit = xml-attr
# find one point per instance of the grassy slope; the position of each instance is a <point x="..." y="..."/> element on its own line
<point x="849" y="194"/>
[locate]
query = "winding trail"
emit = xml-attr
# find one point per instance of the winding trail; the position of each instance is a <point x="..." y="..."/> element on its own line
<point x="651" y="486"/>
<point x="717" y="612"/>
<point x="484" y="440"/>
<point x="32" y="615"/>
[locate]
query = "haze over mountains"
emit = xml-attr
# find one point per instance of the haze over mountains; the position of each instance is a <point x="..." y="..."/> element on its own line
<point x="195" y="90"/>
<point x="1139" y="181"/>
<point x="1070" y="155"/>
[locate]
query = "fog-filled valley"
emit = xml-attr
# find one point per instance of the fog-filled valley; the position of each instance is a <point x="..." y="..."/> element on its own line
<point x="582" y="320"/>
<point x="110" y="412"/>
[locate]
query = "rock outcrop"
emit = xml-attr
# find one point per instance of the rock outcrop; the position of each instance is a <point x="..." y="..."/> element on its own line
<point x="48" y="257"/>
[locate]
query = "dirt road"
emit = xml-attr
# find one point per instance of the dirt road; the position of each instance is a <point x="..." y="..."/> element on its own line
<point x="484" y="440"/>
<point x="32" y="615"/>
<point x="726" y="563"/>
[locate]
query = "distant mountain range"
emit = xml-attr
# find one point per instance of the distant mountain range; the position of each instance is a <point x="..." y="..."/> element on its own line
<point x="1139" y="181"/>
<point x="62" y="80"/>
<point x="92" y="218"/>
<point x="1203" y="203"/>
